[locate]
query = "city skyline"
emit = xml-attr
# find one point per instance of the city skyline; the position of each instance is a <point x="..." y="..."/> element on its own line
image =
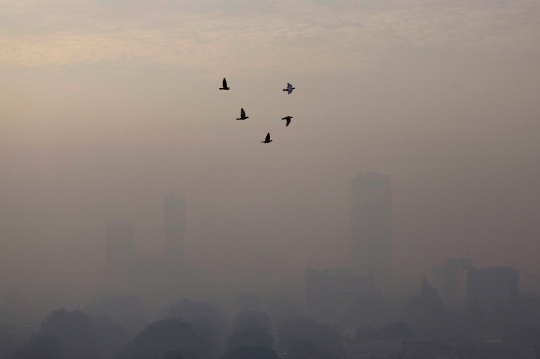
<point x="396" y="215"/>
<point x="107" y="106"/>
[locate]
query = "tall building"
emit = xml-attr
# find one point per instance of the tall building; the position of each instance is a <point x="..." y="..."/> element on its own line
<point x="371" y="226"/>
<point x="119" y="248"/>
<point x="175" y="229"/>
<point x="451" y="281"/>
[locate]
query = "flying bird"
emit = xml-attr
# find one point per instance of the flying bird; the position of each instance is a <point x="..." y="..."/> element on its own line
<point x="225" y="87"/>
<point x="267" y="139"/>
<point x="242" y="115"/>
<point x="289" y="88"/>
<point x="288" y="118"/>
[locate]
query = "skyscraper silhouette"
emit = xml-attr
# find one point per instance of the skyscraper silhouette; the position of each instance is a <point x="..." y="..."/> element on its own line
<point x="175" y="230"/>
<point x="371" y="226"/>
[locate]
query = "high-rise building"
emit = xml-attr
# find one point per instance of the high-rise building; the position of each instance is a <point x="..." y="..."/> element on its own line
<point x="451" y="281"/>
<point x="371" y="226"/>
<point x="119" y="249"/>
<point x="175" y="229"/>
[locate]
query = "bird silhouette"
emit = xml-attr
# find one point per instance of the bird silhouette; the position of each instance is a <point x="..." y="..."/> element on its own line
<point x="289" y="88"/>
<point x="225" y="87"/>
<point x="242" y="115"/>
<point x="267" y="139"/>
<point x="288" y="118"/>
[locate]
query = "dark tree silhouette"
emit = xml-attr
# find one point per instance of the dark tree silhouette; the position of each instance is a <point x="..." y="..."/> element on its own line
<point x="168" y="337"/>
<point x="251" y="328"/>
<point x="255" y="337"/>
<point x="81" y="336"/>
<point x="307" y="350"/>
<point x="183" y="355"/>
<point x="109" y="335"/>
<point x="128" y="310"/>
<point x="251" y="353"/>
<point x="295" y="333"/>
<point x="203" y="316"/>
<point x="12" y="338"/>
<point x="41" y="347"/>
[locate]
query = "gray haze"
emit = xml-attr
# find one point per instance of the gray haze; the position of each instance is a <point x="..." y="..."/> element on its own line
<point x="104" y="113"/>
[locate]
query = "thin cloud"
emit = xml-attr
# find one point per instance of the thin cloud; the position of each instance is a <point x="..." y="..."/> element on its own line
<point x="300" y="36"/>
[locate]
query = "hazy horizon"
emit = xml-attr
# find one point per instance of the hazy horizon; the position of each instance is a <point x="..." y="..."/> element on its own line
<point x="107" y="107"/>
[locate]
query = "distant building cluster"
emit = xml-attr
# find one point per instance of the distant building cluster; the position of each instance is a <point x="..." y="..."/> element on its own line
<point x="451" y="281"/>
<point x="123" y="266"/>
<point x="330" y="293"/>
<point x="351" y="312"/>
<point x="461" y="286"/>
<point x="458" y="285"/>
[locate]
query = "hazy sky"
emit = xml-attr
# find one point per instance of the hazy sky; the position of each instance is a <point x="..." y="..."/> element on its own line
<point x="106" y="106"/>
